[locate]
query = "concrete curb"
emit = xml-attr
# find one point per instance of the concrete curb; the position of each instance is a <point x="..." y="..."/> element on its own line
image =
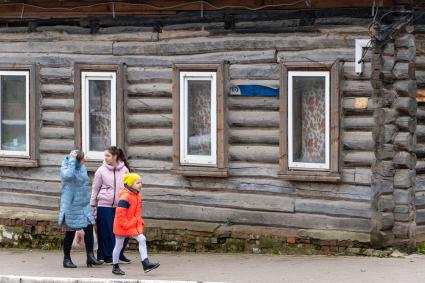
<point x="33" y="279"/>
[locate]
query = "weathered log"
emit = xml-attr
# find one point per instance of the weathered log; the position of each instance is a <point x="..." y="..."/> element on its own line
<point x="161" y="210"/>
<point x="56" y="75"/>
<point x="256" y="72"/>
<point x="358" y="123"/>
<point x="334" y="208"/>
<point x="350" y="105"/>
<point x="358" y="140"/>
<point x="64" y="119"/>
<point x="360" y="176"/>
<point x="266" y="154"/>
<point x="57" y="90"/>
<point x="406" y="88"/>
<point x="255" y="119"/>
<point x="385" y="220"/>
<point x="65" y="46"/>
<point x="149" y="90"/>
<point x="359" y="158"/>
<point x="317" y="55"/>
<point x="350" y="73"/>
<point x="150" y="136"/>
<point x="216" y="44"/>
<point x="405" y="141"/>
<point x="420" y="200"/>
<point x="51" y="159"/>
<point x="221" y="199"/>
<point x="248" y="136"/>
<point x="149" y="75"/>
<point x="420" y="150"/>
<point x="57" y="104"/>
<point x="164" y="153"/>
<point x="406" y="105"/>
<point x="404" y="159"/>
<point x="420" y="132"/>
<point x="57" y="133"/>
<point x="29" y="200"/>
<point x="250" y="169"/>
<point x="149" y="120"/>
<point x="404" y="178"/>
<point x="56" y="145"/>
<point x="386" y="203"/>
<point x="30" y="187"/>
<point x="406" y="123"/>
<point x="163" y="180"/>
<point x="403" y="197"/>
<point x="420" y="114"/>
<point x="253" y="103"/>
<point x="149" y="105"/>
<point x="420" y="166"/>
<point x="357" y="88"/>
<point x="334" y="191"/>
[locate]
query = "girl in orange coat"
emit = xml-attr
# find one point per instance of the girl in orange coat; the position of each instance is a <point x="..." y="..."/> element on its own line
<point x="128" y="222"/>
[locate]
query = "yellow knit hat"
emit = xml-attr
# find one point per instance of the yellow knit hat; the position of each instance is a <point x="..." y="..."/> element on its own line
<point x="130" y="178"/>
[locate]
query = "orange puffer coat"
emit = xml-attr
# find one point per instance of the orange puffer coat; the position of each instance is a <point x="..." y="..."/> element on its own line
<point x="128" y="215"/>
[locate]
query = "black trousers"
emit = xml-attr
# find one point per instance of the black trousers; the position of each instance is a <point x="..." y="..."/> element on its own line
<point x="69" y="238"/>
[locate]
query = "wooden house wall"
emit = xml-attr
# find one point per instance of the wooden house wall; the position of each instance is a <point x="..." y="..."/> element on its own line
<point x="252" y="194"/>
<point x="420" y="136"/>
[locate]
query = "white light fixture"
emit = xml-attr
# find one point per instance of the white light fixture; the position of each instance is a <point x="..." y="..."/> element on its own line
<point x="360" y="44"/>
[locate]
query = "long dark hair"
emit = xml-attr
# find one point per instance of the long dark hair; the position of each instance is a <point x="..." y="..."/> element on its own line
<point x="119" y="153"/>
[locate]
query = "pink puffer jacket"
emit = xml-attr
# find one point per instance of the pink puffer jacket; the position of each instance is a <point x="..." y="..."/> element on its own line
<point x="107" y="184"/>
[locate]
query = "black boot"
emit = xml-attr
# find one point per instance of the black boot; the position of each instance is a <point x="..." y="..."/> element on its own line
<point x="67" y="263"/>
<point x="147" y="266"/>
<point x="91" y="260"/>
<point x="117" y="270"/>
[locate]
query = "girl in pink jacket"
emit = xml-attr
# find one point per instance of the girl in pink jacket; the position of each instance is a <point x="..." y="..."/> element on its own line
<point x="104" y="199"/>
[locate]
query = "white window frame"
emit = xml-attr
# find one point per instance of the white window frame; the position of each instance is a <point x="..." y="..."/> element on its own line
<point x="303" y="165"/>
<point x="25" y="153"/>
<point x="85" y="123"/>
<point x="185" y="158"/>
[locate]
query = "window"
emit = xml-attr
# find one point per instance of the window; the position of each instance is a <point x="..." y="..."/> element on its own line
<point x="310" y="122"/>
<point x="199" y="120"/>
<point x="99" y="109"/>
<point x="198" y="127"/>
<point x="14" y="113"/>
<point x="98" y="112"/>
<point x="17" y="116"/>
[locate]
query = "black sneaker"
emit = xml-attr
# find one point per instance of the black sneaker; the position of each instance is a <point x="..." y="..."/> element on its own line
<point x="148" y="266"/>
<point x="124" y="260"/>
<point x="108" y="260"/>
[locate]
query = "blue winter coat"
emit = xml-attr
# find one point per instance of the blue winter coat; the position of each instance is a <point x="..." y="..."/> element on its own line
<point x="75" y="210"/>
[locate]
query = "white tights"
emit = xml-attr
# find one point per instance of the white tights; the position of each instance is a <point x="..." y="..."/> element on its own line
<point x="119" y="242"/>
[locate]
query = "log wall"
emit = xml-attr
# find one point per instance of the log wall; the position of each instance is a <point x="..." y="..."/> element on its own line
<point x="252" y="194"/>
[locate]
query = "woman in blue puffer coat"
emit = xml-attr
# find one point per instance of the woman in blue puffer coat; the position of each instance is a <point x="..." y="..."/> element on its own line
<point x="75" y="212"/>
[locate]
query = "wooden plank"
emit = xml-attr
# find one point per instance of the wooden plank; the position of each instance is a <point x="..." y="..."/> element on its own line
<point x="350" y="73"/>
<point x="158" y="210"/>
<point x="30" y="187"/>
